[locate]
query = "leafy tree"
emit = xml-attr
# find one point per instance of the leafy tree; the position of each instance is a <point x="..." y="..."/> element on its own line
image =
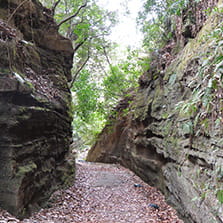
<point x="96" y="92"/>
<point x="157" y="20"/>
<point x="86" y="95"/>
<point x="87" y="25"/>
<point x="99" y="81"/>
<point x="89" y="30"/>
<point x="88" y="118"/>
<point x="123" y="76"/>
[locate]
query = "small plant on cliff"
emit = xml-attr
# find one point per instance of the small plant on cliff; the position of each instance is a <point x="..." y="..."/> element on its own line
<point x="206" y="105"/>
<point x="219" y="195"/>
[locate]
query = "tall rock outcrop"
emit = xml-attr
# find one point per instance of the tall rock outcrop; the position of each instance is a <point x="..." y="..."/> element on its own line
<point x="35" y="106"/>
<point x="172" y="135"/>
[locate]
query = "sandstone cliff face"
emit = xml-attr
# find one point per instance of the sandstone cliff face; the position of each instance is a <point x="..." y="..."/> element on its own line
<point x="175" y="151"/>
<point x="35" y="113"/>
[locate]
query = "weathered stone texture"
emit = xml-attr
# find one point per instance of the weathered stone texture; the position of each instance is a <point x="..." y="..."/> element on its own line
<point x="151" y="140"/>
<point x="35" y="107"/>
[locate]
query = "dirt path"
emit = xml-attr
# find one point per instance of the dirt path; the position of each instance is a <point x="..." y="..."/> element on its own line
<point x="103" y="193"/>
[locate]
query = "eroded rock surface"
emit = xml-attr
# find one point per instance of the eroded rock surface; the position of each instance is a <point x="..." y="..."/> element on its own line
<point x="166" y="147"/>
<point x="35" y="111"/>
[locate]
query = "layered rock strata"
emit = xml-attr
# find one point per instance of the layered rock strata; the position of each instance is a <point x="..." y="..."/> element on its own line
<point x="171" y="137"/>
<point x="35" y="106"/>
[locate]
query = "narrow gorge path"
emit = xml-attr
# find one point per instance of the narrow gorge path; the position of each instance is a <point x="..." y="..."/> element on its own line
<point x="103" y="193"/>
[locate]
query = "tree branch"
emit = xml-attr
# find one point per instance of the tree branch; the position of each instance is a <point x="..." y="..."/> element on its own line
<point x="79" y="69"/>
<point x="80" y="44"/>
<point x="102" y="68"/>
<point x="79" y="22"/>
<point x="107" y="59"/>
<point x="72" y="16"/>
<point x="84" y="40"/>
<point x="54" y="7"/>
<point x="70" y="33"/>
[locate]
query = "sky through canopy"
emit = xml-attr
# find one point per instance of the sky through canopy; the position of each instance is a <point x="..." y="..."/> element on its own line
<point x="125" y="33"/>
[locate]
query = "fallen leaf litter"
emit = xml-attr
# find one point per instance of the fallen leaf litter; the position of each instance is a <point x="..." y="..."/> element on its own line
<point x="103" y="193"/>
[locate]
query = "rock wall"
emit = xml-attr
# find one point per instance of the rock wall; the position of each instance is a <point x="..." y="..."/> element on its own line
<point x="35" y="107"/>
<point x="179" y="152"/>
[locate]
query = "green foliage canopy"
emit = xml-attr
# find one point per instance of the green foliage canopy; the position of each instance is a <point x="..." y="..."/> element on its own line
<point x="96" y="92"/>
<point x="156" y="20"/>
